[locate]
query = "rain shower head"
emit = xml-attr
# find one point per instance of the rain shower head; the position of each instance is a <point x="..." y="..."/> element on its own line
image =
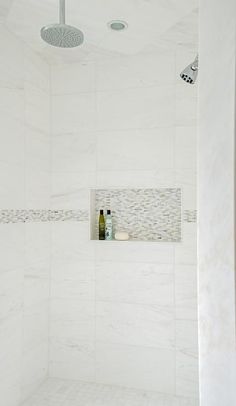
<point x="62" y="35"/>
<point x="190" y="73"/>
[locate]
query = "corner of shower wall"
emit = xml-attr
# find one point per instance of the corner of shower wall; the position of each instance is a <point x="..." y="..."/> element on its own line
<point x="37" y="226"/>
<point x="25" y="240"/>
<point x="216" y="202"/>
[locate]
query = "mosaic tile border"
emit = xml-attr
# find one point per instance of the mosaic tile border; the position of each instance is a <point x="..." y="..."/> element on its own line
<point x="190" y="216"/>
<point x="34" y="216"/>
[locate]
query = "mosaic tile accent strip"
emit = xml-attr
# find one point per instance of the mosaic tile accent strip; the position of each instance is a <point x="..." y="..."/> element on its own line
<point x="146" y="214"/>
<point x="190" y="216"/>
<point x="33" y="216"/>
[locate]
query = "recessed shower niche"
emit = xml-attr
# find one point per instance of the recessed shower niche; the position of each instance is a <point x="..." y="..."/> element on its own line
<point x="145" y="214"/>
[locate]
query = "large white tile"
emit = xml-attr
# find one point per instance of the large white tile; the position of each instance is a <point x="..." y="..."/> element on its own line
<point x="12" y="183"/>
<point x="74" y="152"/>
<point x="10" y="336"/>
<point x="38" y="270"/>
<point x="11" y="69"/>
<point x="185" y="178"/>
<point x="72" y="318"/>
<point x="186" y="251"/>
<point x="187" y="358"/>
<point x="73" y="113"/>
<point x="185" y="147"/>
<point x="11" y="288"/>
<point x="189" y="197"/>
<point x="71" y="190"/>
<point x="37" y="248"/>
<point x="135" y="324"/>
<point x="136" y="108"/>
<point x="37" y="189"/>
<point x="186" y="292"/>
<point x="36" y="290"/>
<point x="12" y="247"/>
<point x="35" y="325"/>
<point x="70" y="241"/>
<point x="10" y="339"/>
<point x="186" y="374"/>
<point x="10" y="358"/>
<point x="135" y="150"/>
<point x="37" y="108"/>
<point x="34" y="369"/>
<point x="187" y="336"/>
<point x="135" y="179"/>
<point x="186" y="105"/>
<point x="135" y="283"/>
<point x="135" y="71"/>
<point x="37" y="151"/>
<point x="137" y="367"/>
<point x="73" y="78"/>
<point x="72" y="359"/>
<point x="36" y="70"/>
<point x="130" y="251"/>
<point x="10" y="385"/>
<point x="73" y="280"/>
<point x="12" y="102"/>
<point x="12" y="149"/>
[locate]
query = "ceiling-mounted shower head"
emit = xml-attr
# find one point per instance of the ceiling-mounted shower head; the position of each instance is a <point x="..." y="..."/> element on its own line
<point x="62" y="35"/>
<point x="190" y="73"/>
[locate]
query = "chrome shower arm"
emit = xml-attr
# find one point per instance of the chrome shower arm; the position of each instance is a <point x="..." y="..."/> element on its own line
<point x="62" y="12"/>
<point x="195" y="64"/>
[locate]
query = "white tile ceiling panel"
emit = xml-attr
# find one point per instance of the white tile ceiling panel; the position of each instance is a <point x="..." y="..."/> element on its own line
<point x="151" y="24"/>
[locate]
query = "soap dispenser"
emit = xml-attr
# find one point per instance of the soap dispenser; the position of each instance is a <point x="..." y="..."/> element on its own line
<point x="109" y="226"/>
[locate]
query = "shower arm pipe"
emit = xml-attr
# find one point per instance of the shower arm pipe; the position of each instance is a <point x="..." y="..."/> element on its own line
<point x="195" y="63"/>
<point x="62" y="12"/>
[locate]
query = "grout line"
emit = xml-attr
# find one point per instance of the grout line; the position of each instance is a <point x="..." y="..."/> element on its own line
<point x="50" y="225"/>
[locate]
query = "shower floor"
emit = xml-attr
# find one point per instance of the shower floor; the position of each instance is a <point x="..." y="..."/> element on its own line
<point x="57" y="392"/>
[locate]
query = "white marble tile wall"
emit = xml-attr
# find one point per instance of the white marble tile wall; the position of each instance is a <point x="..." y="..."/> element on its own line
<point x="37" y="235"/>
<point x="123" y="313"/>
<point x="24" y="183"/>
<point x="216" y="202"/>
<point x="11" y="195"/>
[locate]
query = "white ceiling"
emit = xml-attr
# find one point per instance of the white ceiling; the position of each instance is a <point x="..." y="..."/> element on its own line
<point x="152" y="24"/>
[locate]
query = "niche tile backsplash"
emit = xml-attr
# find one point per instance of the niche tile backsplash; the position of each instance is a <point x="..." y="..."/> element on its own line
<point x="146" y="214"/>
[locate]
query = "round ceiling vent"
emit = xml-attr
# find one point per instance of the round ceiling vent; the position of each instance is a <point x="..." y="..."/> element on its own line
<point x="117" y="25"/>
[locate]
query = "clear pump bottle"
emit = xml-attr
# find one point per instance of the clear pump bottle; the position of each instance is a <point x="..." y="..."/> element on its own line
<point x="109" y="226"/>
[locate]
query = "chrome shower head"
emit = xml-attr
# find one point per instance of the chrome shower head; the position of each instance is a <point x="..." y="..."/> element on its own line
<point x="190" y="73"/>
<point x="62" y="35"/>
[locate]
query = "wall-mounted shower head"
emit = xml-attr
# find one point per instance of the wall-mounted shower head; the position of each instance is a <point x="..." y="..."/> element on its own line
<point x="62" y="35"/>
<point x="190" y="73"/>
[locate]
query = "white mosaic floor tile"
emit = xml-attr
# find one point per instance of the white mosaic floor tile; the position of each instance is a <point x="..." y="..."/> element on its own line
<point x="56" y="392"/>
